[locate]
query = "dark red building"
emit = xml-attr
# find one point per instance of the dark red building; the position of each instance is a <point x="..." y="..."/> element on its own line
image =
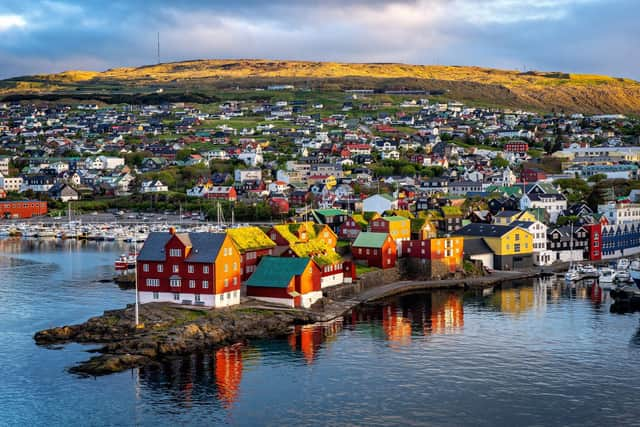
<point x="594" y="246"/>
<point x="516" y="147"/>
<point x="377" y="249"/>
<point x="22" y="208"/>
<point x="532" y="175"/>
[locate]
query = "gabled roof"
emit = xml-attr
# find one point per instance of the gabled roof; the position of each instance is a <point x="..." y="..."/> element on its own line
<point x="370" y="240"/>
<point x="277" y="272"/>
<point x="484" y="230"/>
<point x="476" y="247"/>
<point x="507" y="214"/>
<point x="204" y="246"/>
<point x="250" y="239"/>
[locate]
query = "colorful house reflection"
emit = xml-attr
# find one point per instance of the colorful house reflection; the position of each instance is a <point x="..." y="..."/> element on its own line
<point x="228" y="374"/>
<point x="309" y="338"/>
<point x="447" y="314"/>
<point x="395" y="325"/>
<point x="515" y="300"/>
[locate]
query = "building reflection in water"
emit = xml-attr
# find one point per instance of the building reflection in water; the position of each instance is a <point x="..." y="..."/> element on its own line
<point x="228" y="373"/>
<point x="401" y="318"/>
<point x="309" y="339"/>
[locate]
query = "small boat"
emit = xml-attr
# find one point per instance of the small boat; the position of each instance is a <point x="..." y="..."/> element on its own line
<point x="126" y="262"/>
<point x="572" y="275"/>
<point x="622" y="276"/>
<point x="634" y="271"/>
<point x="606" y="276"/>
<point x="588" y="269"/>
<point x="623" y="264"/>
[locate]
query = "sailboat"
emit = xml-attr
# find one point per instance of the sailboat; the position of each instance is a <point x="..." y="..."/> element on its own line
<point x="572" y="274"/>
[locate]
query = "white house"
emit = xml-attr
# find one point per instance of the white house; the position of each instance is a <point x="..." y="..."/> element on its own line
<point x="252" y="157"/>
<point x="10" y="184"/>
<point x="379" y="203"/>
<point x="538" y="230"/>
<point x="620" y="213"/>
<point x="553" y="203"/>
<point x="153" y="186"/>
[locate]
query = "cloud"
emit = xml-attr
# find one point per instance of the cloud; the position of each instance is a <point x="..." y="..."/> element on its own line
<point x="8" y="22"/>
<point x="595" y="36"/>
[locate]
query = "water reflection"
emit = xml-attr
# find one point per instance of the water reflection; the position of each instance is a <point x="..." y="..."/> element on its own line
<point x="309" y="339"/>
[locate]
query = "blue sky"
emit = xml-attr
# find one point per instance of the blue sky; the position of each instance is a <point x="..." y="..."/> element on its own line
<point x="590" y="36"/>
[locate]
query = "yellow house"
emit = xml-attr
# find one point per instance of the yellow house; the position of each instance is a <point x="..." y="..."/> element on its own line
<point x="398" y="227"/>
<point x="507" y="217"/>
<point x="511" y="245"/>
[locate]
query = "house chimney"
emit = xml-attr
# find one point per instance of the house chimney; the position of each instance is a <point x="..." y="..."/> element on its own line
<point x="172" y="230"/>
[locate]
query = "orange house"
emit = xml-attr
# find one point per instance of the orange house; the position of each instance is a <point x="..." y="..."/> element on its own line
<point x="294" y="282"/>
<point x="189" y="268"/>
<point x="445" y="253"/>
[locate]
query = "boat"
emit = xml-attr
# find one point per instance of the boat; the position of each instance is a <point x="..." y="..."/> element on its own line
<point x="588" y="269"/>
<point x="126" y="262"/>
<point x="572" y="275"/>
<point x="634" y="272"/>
<point x="606" y="276"/>
<point x="623" y="264"/>
<point x="622" y="276"/>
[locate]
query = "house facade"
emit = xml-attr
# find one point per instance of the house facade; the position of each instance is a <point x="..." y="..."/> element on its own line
<point x="375" y="249"/>
<point x="253" y="244"/>
<point x="189" y="268"/>
<point x="294" y="282"/>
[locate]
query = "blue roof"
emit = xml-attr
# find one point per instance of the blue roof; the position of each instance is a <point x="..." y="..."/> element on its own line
<point x="204" y="246"/>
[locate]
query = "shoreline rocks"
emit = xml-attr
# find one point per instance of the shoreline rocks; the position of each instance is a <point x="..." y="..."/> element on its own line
<point x="167" y="331"/>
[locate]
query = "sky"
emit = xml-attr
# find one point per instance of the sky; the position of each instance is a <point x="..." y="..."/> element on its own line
<point x="585" y="36"/>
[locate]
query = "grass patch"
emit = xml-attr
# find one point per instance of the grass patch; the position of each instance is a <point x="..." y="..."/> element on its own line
<point x="362" y="269"/>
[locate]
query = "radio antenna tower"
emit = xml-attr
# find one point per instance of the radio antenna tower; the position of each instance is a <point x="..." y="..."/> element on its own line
<point x="158" y="47"/>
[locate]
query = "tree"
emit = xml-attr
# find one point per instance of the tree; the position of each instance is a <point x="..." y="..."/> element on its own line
<point x="408" y="170"/>
<point x="576" y="189"/>
<point x="597" y="177"/>
<point x="499" y="162"/>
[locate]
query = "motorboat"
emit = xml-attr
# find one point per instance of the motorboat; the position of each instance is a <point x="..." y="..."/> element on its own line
<point x="606" y="275"/>
<point x="623" y="264"/>
<point x="126" y="262"/>
<point x="588" y="269"/>
<point x="622" y="276"/>
<point x="572" y="275"/>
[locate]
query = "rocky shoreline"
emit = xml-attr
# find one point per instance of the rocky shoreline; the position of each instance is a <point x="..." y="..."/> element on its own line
<point x="171" y="330"/>
<point x="167" y="331"/>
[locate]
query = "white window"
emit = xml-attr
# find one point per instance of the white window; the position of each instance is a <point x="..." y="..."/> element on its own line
<point x="160" y="268"/>
<point x="205" y="269"/>
<point x="205" y="284"/>
<point x="145" y="267"/>
<point x="153" y="282"/>
<point x="156" y="295"/>
<point x="176" y="283"/>
<point x="176" y="268"/>
<point x="226" y="283"/>
<point x="176" y="296"/>
<point x="235" y="281"/>
<point x="226" y="268"/>
<point x="221" y="297"/>
<point x="192" y="284"/>
<point x="175" y="252"/>
<point x="198" y="298"/>
<point x="190" y="268"/>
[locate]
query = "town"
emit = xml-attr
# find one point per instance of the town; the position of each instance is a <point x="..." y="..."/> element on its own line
<point x="318" y="188"/>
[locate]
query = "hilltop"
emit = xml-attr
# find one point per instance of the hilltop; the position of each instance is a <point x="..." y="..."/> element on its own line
<point x="535" y="90"/>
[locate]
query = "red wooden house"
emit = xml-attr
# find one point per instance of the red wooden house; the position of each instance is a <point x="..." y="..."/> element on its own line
<point x="222" y="193"/>
<point x="189" y="268"/>
<point x="594" y="247"/>
<point x="516" y="147"/>
<point x="376" y="249"/>
<point x="294" y="282"/>
<point x="22" y="208"/>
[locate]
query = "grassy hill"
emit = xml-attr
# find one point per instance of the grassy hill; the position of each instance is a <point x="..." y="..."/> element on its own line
<point x="535" y="90"/>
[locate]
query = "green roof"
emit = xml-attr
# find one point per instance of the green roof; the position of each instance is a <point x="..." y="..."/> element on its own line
<point x="330" y="212"/>
<point x="277" y="272"/>
<point x="416" y="224"/>
<point x="395" y="218"/>
<point x="451" y="211"/>
<point x="370" y="240"/>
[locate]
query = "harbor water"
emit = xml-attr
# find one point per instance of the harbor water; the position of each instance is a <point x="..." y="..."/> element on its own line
<point x="531" y="353"/>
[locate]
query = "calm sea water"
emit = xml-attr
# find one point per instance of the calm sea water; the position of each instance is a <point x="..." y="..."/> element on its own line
<point x="531" y="354"/>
